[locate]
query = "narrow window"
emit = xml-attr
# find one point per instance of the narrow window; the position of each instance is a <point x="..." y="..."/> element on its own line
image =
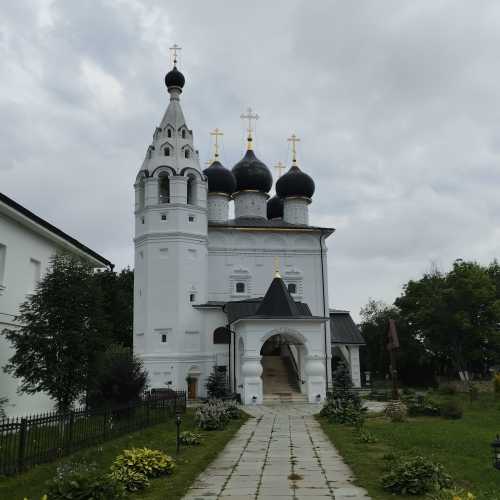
<point x="166" y="151"/>
<point x="142" y="220"/>
<point x="186" y="153"/>
<point x="163" y="217"/>
<point x="240" y="287"/>
<point x="292" y="288"/>
<point x="183" y="134"/>
<point x="191" y="190"/>
<point x="192" y="297"/>
<point x="169" y="133"/>
<point x="164" y="188"/>
<point x="191" y="218"/>
<point x="164" y="338"/>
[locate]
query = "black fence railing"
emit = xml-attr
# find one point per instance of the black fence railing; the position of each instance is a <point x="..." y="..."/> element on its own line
<point x="35" y="439"/>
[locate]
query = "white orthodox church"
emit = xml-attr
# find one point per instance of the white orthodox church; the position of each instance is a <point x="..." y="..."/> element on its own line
<point x="247" y="296"/>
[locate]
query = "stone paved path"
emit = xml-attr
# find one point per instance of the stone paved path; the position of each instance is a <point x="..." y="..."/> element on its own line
<point x="281" y="454"/>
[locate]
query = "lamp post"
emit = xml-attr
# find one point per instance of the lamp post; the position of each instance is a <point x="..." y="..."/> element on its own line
<point x="496" y="452"/>
<point x="178" y="421"/>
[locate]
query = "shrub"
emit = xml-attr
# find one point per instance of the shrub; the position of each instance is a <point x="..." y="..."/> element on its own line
<point x="415" y="476"/>
<point x="134" y="467"/>
<point x="232" y="410"/>
<point x="423" y="406"/>
<point x="451" y="410"/>
<point x="118" y="378"/>
<point x="343" y="405"/>
<point x="448" y="389"/>
<point x="189" y="438"/>
<point x="212" y="415"/>
<point x="397" y="411"/>
<point x="84" y="482"/>
<point x="217" y="386"/>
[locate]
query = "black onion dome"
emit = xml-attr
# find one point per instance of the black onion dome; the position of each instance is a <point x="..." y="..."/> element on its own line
<point x="295" y="183"/>
<point x="252" y="174"/>
<point x="275" y="208"/>
<point x="220" y="179"/>
<point x="174" y="78"/>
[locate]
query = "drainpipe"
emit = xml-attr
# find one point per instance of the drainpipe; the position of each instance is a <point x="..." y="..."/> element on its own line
<point x="324" y="309"/>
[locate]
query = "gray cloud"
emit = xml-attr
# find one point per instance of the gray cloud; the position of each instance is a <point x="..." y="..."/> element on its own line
<point x="395" y="102"/>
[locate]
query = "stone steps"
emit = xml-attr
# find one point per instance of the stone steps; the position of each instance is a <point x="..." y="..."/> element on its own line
<point x="276" y="381"/>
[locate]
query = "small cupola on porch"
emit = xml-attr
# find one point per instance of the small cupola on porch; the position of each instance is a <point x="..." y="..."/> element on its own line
<point x="280" y="348"/>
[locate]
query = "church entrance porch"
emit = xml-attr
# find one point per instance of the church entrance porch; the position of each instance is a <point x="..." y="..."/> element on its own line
<point x="281" y="377"/>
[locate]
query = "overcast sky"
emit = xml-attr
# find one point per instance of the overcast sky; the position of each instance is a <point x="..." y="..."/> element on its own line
<point x="397" y="104"/>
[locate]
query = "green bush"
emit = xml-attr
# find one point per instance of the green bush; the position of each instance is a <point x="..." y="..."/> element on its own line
<point x="422" y="406"/>
<point x="215" y="414"/>
<point x="451" y="410"/>
<point x="134" y="467"/>
<point x="397" y="411"/>
<point x="415" y="476"/>
<point x="83" y="482"/>
<point x="217" y="384"/>
<point x="189" y="438"/>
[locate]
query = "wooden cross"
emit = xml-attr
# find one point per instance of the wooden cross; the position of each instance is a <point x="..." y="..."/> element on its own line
<point x="294" y="139"/>
<point x="216" y="134"/>
<point x="250" y="115"/>
<point x="174" y="49"/>
<point x="279" y="167"/>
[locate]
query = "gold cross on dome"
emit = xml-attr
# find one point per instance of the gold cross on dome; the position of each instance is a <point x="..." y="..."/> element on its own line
<point x="279" y="167"/>
<point x="216" y="134"/>
<point x="294" y="139"/>
<point x="174" y="49"/>
<point x="250" y="115"/>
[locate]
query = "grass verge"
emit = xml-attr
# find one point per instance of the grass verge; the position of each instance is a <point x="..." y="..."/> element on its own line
<point x="190" y="462"/>
<point x="462" y="446"/>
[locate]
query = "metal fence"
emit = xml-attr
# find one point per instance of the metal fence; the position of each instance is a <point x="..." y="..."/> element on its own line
<point x="35" y="439"/>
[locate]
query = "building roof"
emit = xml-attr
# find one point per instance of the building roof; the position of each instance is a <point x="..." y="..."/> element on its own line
<point x="343" y="329"/>
<point x="23" y="211"/>
<point x="261" y="223"/>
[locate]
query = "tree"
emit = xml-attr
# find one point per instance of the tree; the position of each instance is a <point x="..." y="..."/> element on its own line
<point x="455" y="316"/>
<point x="118" y="378"/>
<point x="61" y="325"/>
<point x="414" y="363"/>
<point x="217" y="384"/>
<point x="118" y="296"/>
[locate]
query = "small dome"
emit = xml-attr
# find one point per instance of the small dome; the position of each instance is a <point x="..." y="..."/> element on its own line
<point x="252" y="174"/>
<point x="174" y="78"/>
<point x="275" y="208"/>
<point x="220" y="179"/>
<point x="295" y="183"/>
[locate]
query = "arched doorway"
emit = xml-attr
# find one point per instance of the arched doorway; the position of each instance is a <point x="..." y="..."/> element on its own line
<point x="282" y="360"/>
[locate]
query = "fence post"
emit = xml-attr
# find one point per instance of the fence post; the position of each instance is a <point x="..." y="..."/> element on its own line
<point x="69" y="433"/>
<point x="23" y="431"/>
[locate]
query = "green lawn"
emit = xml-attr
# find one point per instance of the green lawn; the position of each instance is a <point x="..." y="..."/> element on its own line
<point x="462" y="446"/>
<point x="190" y="462"/>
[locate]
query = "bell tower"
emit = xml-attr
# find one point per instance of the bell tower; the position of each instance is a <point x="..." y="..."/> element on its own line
<point x="170" y="248"/>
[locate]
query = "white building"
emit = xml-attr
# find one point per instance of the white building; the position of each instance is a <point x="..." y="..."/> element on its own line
<point x="27" y="242"/>
<point x="208" y="290"/>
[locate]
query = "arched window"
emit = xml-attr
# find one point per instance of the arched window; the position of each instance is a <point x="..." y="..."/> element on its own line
<point x="166" y="151"/>
<point x="240" y="287"/>
<point x="169" y="132"/>
<point x="183" y="133"/>
<point x="292" y="288"/>
<point x="191" y="190"/>
<point x="164" y="188"/>
<point x="186" y="153"/>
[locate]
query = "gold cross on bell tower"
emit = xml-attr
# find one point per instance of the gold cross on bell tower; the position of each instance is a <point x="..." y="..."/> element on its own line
<point x="216" y="134"/>
<point x="174" y="49"/>
<point x="294" y="139"/>
<point x="250" y="115"/>
<point x="279" y="167"/>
